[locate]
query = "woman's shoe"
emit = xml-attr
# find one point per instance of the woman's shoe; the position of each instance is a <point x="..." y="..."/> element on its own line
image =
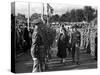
<point x="77" y="63"/>
<point x="73" y="62"/>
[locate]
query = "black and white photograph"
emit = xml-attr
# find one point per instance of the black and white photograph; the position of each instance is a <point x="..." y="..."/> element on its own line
<point x="49" y="37"/>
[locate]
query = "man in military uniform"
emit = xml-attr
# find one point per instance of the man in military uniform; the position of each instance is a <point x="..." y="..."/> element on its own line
<point x="69" y="42"/>
<point x="75" y="40"/>
<point x="37" y="48"/>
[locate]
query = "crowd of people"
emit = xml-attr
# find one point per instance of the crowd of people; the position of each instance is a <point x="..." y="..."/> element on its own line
<point x="64" y="43"/>
<point x="33" y="41"/>
<point x="23" y="38"/>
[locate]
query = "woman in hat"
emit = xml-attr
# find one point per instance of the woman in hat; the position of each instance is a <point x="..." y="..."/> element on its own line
<point x="62" y="42"/>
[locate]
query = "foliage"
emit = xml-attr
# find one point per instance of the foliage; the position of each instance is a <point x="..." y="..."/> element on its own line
<point x="54" y="18"/>
<point x="89" y="13"/>
<point x="76" y="15"/>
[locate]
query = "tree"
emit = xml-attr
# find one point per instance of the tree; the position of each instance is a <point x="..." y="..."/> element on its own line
<point x="62" y="18"/>
<point x="80" y="15"/>
<point x="89" y="13"/>
<point x="65" y="17"/>
<point x="68" y="17"/>
<point x="54" y="18"/>
<point x="73" y="15"/>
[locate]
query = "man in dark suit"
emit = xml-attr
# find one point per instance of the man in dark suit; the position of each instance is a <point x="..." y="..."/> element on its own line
<point x="75" y="45"/>
<point x="27" y="40"/>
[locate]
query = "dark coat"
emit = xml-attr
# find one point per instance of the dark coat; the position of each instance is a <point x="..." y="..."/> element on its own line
<point x="26" y="34"/>
<point x="62" y="45"/>
<point x="27" y="43"/>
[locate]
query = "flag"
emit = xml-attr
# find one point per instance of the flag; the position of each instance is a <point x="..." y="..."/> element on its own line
<point x="49" y="10"/>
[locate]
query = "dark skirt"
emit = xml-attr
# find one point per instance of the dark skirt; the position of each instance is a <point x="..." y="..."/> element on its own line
<point x="61" y="50"/>
<point x="62" y="45"/>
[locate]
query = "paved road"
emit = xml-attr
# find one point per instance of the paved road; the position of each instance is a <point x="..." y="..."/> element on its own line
<point x="86" y="62"/>
<point x="24" y="63"/>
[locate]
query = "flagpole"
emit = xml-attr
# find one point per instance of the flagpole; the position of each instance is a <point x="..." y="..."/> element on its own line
<point x="43" y="13"/>
<point x="47" y="15"/>
<point x="28" y="14"/>
<point x="43" y="9"/>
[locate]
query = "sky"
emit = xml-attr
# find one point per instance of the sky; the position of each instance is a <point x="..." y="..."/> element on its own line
<point x="30" y="8"/>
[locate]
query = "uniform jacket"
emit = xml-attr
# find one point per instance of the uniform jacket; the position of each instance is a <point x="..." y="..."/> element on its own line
<point x="76" y="38"/>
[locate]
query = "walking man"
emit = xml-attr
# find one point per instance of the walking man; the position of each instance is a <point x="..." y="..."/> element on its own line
<point x="37" y="48"/>
<point x="75" y="45"/>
